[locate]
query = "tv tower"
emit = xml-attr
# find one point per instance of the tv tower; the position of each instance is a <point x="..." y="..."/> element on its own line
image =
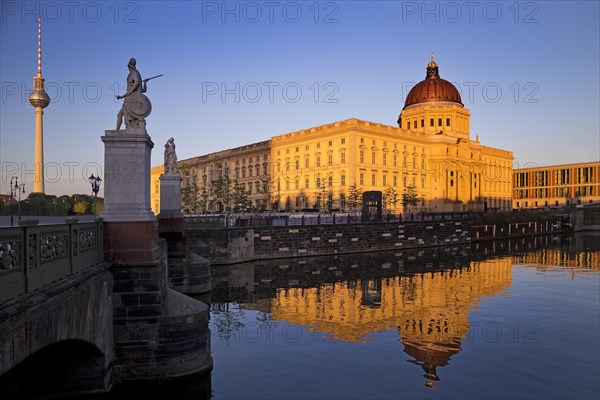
<point x="39" y="100"/>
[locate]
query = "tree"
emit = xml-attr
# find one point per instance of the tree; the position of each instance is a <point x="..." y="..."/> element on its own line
<point x="186" y="199"/>
<point x="275" y="205"/>
<point x="80" y="207"/>
<point x="240" y="198"/>
<point x="223" y="192"/>
<point x="390" y="198"/>
<point x="228" y="319"/>
<point x="40" y="204"/>
<point x="37" y="204"/>
<point x="266" y="190"/>
<point x="203" y="203"/>
<point x="354" y="196"/>
<point x="410" y="198"/>
<point x="64" y="205"/>
<point x="189" y="198"/>
<point x="322" y="196"/>
<point x="99" y="206"/>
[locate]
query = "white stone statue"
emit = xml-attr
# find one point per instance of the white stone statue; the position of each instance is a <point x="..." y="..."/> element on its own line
<point x="170" y="158"/>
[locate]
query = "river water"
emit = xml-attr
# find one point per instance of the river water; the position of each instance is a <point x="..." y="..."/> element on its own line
<point x="515" y="319"/>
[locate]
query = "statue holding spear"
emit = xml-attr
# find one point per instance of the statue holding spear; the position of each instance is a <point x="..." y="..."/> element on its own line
<point x="136" y="105"/>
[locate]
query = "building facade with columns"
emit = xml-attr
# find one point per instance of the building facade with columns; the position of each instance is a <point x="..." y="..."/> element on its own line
<point x="430" y="152"/>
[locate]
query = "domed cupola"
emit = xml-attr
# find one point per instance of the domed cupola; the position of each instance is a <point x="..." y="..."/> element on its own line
<point x="432" y="89"/>
<point x="433" y="106"/>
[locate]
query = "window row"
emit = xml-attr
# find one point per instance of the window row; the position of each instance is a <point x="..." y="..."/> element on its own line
<point x="386" y="181"/>
<point x="431" y="123"/>
<point x="556" y="177"/>
<point x="405" y="147"/>
<point x="557" y="192"/>
<point x="306" y="163"/>
<point x="307" y="146"/>
<point x="250" y="160"/>
<point x="392" y="160"/>
<point x="319" y="183"/>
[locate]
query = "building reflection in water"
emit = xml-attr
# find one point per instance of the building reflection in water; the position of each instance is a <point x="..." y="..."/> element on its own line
<point x="429" y="309"/>
<point x="426" y="295"/>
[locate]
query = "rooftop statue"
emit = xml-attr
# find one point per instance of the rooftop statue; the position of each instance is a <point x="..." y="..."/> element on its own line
<point x="136" y="106"/>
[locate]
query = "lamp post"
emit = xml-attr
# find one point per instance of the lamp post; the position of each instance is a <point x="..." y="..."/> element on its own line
<point x="11" y="199"/>
<point x="95" y="182"/>
<point x="15" y="189"/>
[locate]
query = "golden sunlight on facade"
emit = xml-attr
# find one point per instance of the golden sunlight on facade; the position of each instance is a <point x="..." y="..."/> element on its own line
<point x="430" y="150"/>
<point x="556" y="185"/>
<point x="246" y="165"/>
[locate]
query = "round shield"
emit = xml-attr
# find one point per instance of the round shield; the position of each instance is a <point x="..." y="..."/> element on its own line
<point x="137" y="105"/>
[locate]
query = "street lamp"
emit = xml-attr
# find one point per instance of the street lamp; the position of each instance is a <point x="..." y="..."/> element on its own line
<point x="95" y="182"/>
<point x="15" y="189"/>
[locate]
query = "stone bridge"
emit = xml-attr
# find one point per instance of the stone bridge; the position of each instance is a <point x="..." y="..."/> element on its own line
<point x="83" y="305"/>
<point x="56" y="308"/>
<point x="74" y="323"/>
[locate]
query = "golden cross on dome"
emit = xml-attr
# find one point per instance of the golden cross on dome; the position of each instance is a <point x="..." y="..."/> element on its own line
<point x="432" y="55"/>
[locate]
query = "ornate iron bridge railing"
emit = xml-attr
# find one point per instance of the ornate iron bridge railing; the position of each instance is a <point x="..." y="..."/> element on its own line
<point x="33" y="255"/>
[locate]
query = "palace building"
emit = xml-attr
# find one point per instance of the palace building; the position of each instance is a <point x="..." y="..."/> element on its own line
<point x="556" y="185"/>
<point x="209" y="180"/>
<point x="430" y="152"/>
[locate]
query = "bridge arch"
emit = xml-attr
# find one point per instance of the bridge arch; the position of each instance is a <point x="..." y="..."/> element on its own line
<point x="67" y="319"/>
<point x="69" y="366"/>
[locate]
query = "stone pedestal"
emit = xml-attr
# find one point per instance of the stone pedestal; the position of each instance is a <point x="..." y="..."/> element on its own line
<point x="127" y="175"/>
<point x="188" y="273"/>
<point x="158" y="333"/>
<point x="170" y="216"/>
<point x="131" y="229"/>
<point x="170" y="195"/>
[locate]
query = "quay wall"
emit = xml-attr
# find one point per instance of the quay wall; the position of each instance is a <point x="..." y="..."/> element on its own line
<point x="517" y="229"/>
<point x="587" y="217"/>
<point x="232" y="245"/>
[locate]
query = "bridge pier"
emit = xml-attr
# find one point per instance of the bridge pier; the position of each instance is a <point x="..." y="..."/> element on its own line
<point x="188" y="273"/>
<point x="158" y="333"/>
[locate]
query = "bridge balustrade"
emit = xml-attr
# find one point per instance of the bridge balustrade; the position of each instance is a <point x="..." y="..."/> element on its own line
<point x="32" y="255"/>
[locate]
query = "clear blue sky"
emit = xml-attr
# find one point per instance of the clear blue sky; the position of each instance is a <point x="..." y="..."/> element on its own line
<point x="348" y="58"/>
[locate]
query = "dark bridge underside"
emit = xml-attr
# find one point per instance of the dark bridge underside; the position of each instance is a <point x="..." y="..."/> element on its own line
<point x="59" y="337"/>
<point x="71" y="366"/>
